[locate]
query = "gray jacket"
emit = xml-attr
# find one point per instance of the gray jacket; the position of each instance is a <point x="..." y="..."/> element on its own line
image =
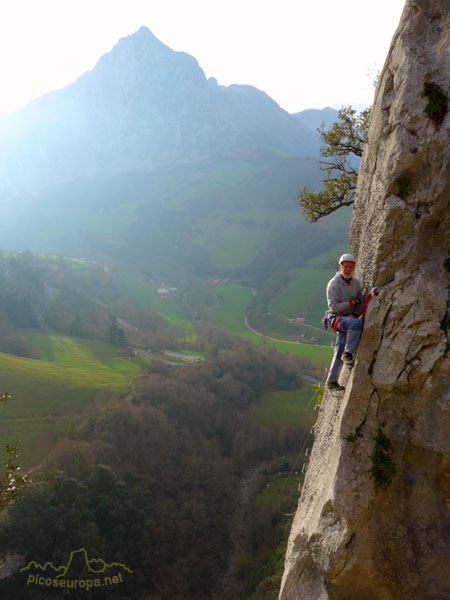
<point x="339" y="295"/>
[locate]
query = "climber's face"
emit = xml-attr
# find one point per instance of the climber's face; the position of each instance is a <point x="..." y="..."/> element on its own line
<point x="346" y="268"/>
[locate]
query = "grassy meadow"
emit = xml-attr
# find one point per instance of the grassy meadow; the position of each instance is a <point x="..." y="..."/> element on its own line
<point x="230" y="306"/>
<point x="143" y="292"/>
<point x="64" y="379"/>
<point x="293" y="408"/>
<point x="305" y="296"/>
<point x="58" y="388"/>
<point x="229" y="312"/>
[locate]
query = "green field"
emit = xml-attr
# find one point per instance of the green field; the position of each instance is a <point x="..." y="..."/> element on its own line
<point x="277" y="326"/>
<point x="193" y="353"/>
<point x="61" y="386"/>
<point x="143" y="292"/>
<point x="230" y="306"/>
<point x="34" y="438"/>
<point x="281" y="493"/>
<point x="229" y="312"/>
<point x="287" y="408"/>
<point x="82" y="353"/>
<point x="230" y="245"/>
<point x="305" y="296"/>
<point x="67" y="378"/>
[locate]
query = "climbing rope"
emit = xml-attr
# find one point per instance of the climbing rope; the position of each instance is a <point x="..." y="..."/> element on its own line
<point x="306" y="440"/>
<point x="373" y="292"/>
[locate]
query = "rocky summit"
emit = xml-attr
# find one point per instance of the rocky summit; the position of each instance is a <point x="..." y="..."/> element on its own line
<point x="373" y="521"/>
<point x="142" y="106"/>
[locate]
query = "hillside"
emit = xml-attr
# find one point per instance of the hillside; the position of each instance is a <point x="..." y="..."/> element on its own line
<point x="143" y="105"/>
<point x="156" y="480"/>
<point x="51" y="394"/>
<point x="153" y="202"/>
<point x="144" y="160"/>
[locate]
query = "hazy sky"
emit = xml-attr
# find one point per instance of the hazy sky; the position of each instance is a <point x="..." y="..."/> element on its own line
<point x="304" y="54"/>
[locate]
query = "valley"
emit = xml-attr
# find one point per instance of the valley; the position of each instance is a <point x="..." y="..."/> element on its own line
<point x="154" y="259"/>
<point x="72" y="375"/>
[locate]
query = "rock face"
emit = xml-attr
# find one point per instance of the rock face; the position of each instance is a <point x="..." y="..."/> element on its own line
<point x="352" y="539"/>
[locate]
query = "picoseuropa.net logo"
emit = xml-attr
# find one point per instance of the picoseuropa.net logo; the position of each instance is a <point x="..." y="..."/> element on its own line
<point x="79" y="573"/>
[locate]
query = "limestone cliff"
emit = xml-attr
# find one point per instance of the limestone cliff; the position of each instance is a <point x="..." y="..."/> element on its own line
<point x="352" y="539"/>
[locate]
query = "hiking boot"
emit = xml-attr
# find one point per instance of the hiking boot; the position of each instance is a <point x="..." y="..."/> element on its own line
<point x="348" y="359"/>
<point x="333" y="385"/>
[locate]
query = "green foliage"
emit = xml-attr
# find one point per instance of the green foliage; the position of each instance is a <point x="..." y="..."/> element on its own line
<point x="175" y="456"/>
<point x="345" y="137"/>
<point x="4" y="397"/>
<point x="165" y="222"/>
<point x="270" y="575"/>
<point x="353" y="437"/>
<point x="12" y="481"/>
<point x="286" y="409"/>
<point x="229" y="310"/>
<point x="116" y="336"/>
<point x="77" y="298"/>
<point x="445" y="323"/>
<point x="384" y="468"/>
<point x="447" y="264"/>
<point x="305" y="295"/>
<point x="66" y="381"/>
<point x="319" y="393"/>
<point x="437" y="105"/>
<point x="112" y="519"/>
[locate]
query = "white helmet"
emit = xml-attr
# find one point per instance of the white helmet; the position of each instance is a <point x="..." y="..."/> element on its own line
<point x="348" y="257"/>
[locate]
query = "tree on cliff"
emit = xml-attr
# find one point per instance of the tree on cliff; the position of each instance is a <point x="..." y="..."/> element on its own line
<point x="12" y="481"/>
<point x="345" y="137"/>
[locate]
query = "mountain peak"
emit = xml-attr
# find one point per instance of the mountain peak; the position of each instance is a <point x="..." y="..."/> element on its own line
<point x="143" y="105"/>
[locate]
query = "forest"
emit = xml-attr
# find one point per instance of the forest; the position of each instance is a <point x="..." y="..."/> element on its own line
<point x="71" y="297"/>
<point x="152" y="481"/>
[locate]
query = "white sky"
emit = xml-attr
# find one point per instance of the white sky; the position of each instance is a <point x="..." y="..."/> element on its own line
<point x="303" y="53"/>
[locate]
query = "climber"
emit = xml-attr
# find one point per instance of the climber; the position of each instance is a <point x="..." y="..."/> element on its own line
<point x="345" y="299"/>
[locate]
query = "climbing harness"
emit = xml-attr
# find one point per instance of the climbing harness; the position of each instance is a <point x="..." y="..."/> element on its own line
<point x="333" y="322"/>
<point x="306" y="447"/>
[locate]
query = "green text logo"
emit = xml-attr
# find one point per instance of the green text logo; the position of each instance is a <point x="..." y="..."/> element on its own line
<point x="79" y="573"/>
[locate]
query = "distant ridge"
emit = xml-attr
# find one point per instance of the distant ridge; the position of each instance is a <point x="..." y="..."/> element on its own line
<point x="145" y="160"/>
<point x="313" y="117"/>
<point x="142" y="106"/>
